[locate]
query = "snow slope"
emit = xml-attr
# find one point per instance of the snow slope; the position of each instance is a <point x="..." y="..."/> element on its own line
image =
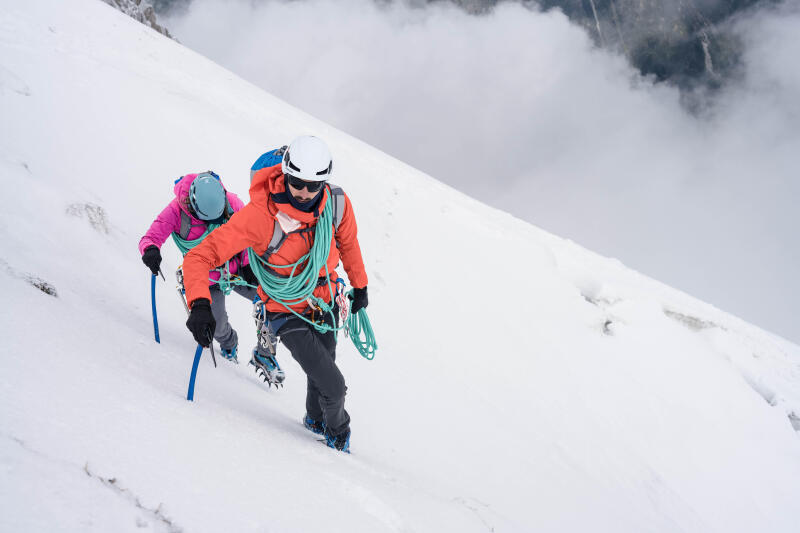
<point x="522" y="383"/>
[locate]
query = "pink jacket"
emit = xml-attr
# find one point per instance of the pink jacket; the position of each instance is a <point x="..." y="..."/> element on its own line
<point x="169" y="220"/>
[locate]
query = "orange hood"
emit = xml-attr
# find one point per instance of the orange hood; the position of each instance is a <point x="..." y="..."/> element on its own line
<point x="268" y="186"/>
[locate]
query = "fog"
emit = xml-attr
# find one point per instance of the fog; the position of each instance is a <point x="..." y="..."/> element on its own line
<point x="519" y="109"/>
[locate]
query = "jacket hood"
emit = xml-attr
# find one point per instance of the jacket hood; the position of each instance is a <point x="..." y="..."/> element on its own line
<point x="268" y="186"/>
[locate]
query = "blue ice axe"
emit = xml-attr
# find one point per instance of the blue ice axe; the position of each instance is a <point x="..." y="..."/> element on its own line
<point x="199" y="351"/>
<point x="153" y="300"/>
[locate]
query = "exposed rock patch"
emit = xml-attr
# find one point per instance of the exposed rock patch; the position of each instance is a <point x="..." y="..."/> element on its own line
<point x="141" y="11"/>
<point x="95" y="214"/>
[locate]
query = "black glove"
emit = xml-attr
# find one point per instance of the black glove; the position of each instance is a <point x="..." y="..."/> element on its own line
<point x="152" y="258"/>
<point x="247" y="274"/>
<point x="360" y="300"/>
<point x="201" y="322"/>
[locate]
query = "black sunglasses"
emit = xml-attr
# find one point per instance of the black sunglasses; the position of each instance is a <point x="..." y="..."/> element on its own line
<point x="297" y="183"/>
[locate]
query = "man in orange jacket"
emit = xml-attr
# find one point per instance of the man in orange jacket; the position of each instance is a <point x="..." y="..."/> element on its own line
<point x="286" y="200"/>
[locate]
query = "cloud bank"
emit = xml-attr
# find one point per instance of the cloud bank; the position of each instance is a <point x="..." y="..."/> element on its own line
<point x="519" y="109"/>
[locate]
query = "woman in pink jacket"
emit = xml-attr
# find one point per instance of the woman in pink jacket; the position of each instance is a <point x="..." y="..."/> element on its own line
<point x="201" y="200"/>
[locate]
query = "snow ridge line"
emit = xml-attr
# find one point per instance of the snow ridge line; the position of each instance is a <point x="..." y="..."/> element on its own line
<point x="112" y="483"/>
<point x="476" y="507"/>
<point x="157" y="513"/>
<point x="41" y="284"/>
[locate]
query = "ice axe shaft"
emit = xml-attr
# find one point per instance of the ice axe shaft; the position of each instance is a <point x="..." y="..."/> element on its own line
<point x="153" y="301"/>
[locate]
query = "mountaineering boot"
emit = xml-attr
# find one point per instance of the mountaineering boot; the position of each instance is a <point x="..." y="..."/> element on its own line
<point x="315" y="426"/>
<point x="230" y="355"/>
<point x="268" y="368"/>
<point x="339" y="442"/>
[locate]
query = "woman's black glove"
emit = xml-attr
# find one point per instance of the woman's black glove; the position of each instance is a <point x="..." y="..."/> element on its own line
<point x="247" y="274"/>
<point x="201" y="322"/>
<point x="152" y="258"/>
<point x="360" y="300"/>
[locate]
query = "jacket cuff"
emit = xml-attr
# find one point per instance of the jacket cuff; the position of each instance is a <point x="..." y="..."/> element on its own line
<point x="201" y="302"/>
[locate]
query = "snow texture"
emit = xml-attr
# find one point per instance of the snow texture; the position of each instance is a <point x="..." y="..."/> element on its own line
<point x="522" y="383"/>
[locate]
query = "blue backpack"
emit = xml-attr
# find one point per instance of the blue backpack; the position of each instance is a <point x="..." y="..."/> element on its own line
<point x="269" y="159"/>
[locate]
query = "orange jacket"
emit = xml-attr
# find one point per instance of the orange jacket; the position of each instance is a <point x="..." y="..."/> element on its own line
<point x="252" y="226"/>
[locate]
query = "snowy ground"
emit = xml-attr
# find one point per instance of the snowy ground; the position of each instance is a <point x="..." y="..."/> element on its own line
<point x="522" y="383"/>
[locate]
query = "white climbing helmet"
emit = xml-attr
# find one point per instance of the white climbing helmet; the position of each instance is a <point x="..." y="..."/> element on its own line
<point x="308" y="158"/>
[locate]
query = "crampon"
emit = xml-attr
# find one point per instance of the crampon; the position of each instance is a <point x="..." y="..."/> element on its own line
<point x="267" y="368"/>
<point x="230" y="355"/>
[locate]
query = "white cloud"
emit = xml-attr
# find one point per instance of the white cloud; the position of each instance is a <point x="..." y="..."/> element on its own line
<point x="519" y="109"/>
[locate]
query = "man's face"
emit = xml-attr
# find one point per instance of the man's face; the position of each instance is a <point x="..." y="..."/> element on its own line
<point x="303" y="195"/>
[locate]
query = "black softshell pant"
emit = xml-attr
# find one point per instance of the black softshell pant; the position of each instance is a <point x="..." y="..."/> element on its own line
<point x="224" y="333"/>
<point x="316" y="353"/>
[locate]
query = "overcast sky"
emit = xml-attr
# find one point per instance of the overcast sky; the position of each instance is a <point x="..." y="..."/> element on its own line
<point x="518" y="109"/>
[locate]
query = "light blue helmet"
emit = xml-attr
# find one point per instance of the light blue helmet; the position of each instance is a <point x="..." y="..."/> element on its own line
<point x="207" y="196"/>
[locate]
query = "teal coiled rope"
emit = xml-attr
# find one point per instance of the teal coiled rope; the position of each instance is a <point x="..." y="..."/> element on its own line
<point x="299" y="286"/>
<point x="226" y="281"/>
<point x="357" y="325"/>
<point x="184" y="245"/>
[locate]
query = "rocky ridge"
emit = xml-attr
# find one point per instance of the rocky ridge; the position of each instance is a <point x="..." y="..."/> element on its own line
<point x="142" y="11"/>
